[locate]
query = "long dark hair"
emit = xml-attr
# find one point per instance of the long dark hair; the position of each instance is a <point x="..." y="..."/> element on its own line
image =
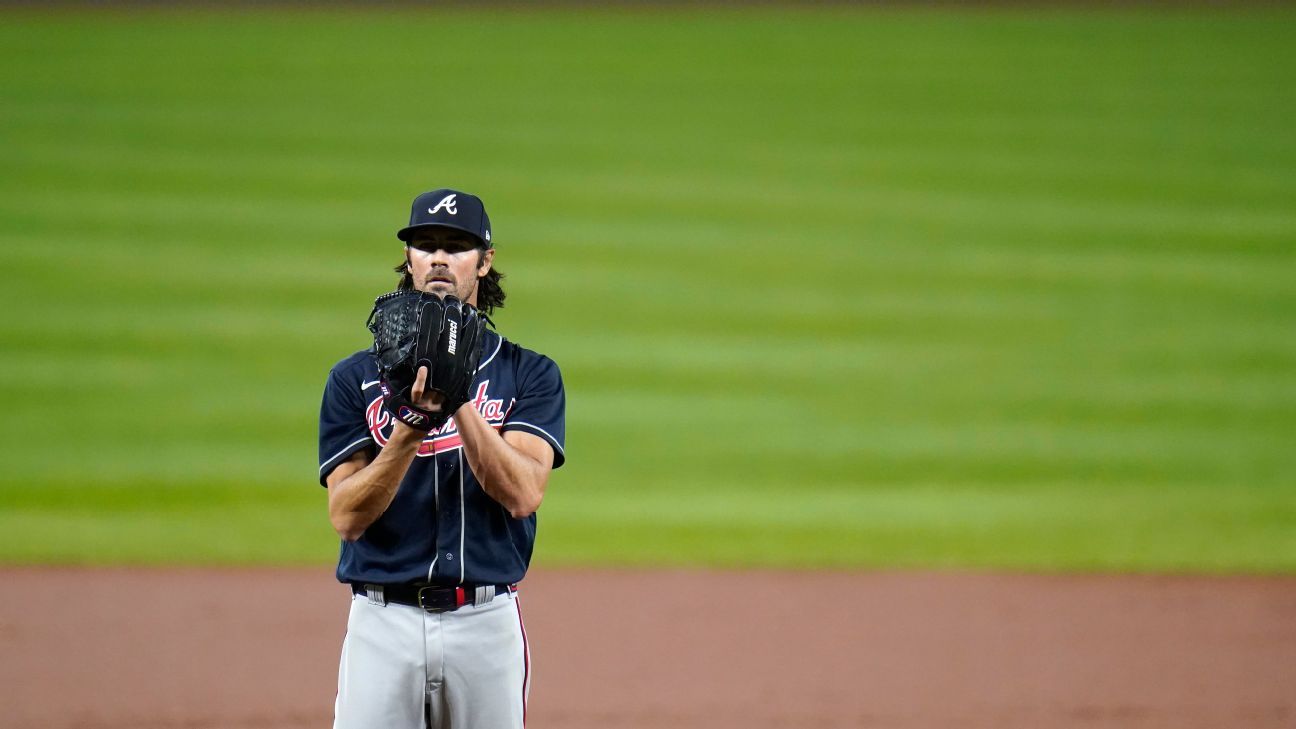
<point x="490" y="295"/>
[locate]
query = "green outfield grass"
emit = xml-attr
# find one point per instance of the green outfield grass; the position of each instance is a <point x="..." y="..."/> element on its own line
<point x="1001" y="289"/>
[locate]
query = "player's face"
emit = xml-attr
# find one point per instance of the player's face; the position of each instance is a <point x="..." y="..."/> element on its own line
<point x="445" y="261"/>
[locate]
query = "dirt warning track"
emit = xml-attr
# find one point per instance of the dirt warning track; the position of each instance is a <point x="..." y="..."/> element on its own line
<point x="258" y="649"/>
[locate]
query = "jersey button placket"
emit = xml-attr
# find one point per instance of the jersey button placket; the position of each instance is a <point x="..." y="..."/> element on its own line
<point x="447" y="516"/>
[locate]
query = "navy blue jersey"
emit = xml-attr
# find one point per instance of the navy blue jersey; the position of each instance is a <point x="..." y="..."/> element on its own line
<point x="442" y="527"/>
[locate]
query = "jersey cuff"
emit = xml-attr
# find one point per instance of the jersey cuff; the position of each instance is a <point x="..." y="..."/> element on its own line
<point x="559" y="456"/>
<point x="347" y="451"/>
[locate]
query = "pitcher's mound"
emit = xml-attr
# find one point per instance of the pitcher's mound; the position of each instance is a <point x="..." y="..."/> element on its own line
<point x="258" y="648"/>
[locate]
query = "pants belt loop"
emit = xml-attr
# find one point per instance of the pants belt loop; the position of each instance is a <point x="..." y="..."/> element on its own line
<point x="485" y="593"/>
<point x="375" y="594"/>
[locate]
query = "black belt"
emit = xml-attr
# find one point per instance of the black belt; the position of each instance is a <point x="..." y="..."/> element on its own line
<point x="432" y="598"/>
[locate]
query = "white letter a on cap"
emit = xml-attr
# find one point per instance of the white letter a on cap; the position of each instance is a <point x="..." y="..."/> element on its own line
<point x="447" y="202"/>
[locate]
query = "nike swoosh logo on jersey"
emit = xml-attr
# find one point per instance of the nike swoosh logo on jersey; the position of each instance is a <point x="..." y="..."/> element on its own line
<point x="367" y="385"/>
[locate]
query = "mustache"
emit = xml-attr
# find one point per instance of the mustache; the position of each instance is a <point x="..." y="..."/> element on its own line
<point x="440" y="273"/>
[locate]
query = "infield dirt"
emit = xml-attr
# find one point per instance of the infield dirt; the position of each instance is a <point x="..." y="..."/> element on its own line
<point x="258" y="648"/>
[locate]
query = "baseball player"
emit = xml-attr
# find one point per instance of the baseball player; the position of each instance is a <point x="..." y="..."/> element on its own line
<point x="437" y="527"/>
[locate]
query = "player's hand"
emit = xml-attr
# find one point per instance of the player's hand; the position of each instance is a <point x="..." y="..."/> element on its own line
<point x="439" y="340"/>
<point x="429" y="401"/>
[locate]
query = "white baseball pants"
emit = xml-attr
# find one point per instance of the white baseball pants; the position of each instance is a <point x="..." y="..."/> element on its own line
<point x="405" y="668"/>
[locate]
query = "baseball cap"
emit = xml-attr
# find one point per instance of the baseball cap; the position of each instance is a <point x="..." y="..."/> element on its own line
<point x="446" y="208"/>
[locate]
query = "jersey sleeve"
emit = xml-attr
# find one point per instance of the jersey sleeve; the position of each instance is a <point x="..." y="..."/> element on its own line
<point x="342" y="429"/>
<point x="541" y="406"/>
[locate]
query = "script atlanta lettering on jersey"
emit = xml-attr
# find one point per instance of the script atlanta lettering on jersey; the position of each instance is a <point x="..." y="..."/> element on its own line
<point x="447" y="436"/>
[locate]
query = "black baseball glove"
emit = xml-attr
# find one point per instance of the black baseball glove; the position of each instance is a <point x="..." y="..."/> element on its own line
<point x="413" y="329"/>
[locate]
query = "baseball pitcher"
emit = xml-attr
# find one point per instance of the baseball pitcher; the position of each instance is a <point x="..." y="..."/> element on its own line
<point x="436" y="446"/>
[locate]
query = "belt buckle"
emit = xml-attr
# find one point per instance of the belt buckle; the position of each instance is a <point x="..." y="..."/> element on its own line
<point x="440" y="599"/>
